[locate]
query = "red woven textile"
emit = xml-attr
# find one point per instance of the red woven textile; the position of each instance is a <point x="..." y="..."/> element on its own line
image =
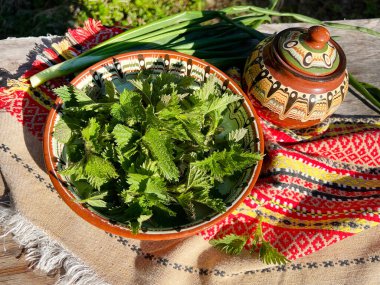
<point x="317" y="186"/>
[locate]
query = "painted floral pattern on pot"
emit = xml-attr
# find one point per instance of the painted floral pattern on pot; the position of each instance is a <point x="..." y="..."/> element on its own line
<point x="301" y="56"/>
<point x="299" y="78"/>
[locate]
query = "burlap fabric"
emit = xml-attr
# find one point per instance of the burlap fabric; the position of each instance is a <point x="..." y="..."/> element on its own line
<point x="189" y="261"/>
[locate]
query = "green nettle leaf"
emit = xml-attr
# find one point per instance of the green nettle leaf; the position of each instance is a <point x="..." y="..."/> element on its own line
<point x="135" y="180"/>
<point x="198" y="178"/>
<point x="136" y="213"/>
<point x="169" y="83"/>
<point x="126" y="158"/>
<point x="98" y="203"/>
<point x="193" y="128"/>
<point x="156" y="187"/>
<point x="214" y="118"/>
<point x="91" y="131"/>
<point x="203" y="196"/>
<point x="267" y="253"/>
<point x="237" y="135"/>
<point x="150" y="192"/>
<point x="157" y="145"/>
<point x="66" y="94"/>
<point x="181" y="188"/>
<point x="109" y="89"/>
<point x="72" y="97"/>
<point x="99" y="171"/>
<point x="130" y="109"/>
<point x="92" y="136"/>
<point x="132" y="102"/>
<point x="83" y="188"/>
<point x="147" y="214"/>
<point x="221" y="103"/>
<point x="230" y="244"/>
<point x="186" y="201"/>
<point x="234" y="244"/>
<point x="165" y="208"/>
<point x="206" y="90"/>
<point x="145" y="87"/>
<point x="227" y="162"/>
<point x="149" y="167"/>
<point x="74" y="118"/>
<point x="109" y="152"/>
<point x="151" y="120"/>
<point x="137" y="83"/>
<point x="118" y="112"/>
<point x="216" y="164"/>
<point x="75" y="148"/>
<point x="244" y="159"/>
<point x="270" y="255"/>
<point x="62" y="132"/>
<point x="171" y="107"/>
<point x="96" y="200"/>
<point x="176" y="131"/>
<point x="74" y="169"/>
<point x="123" y="135"/>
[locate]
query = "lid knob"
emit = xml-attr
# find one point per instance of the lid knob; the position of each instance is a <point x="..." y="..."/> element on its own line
<point x="317" y="37"/>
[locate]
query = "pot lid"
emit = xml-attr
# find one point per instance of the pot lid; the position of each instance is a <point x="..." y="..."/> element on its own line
<point x="310" y="52"/>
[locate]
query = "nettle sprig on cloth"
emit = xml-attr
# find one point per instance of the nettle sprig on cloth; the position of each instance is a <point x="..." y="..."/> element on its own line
<point x="234" y="244"/>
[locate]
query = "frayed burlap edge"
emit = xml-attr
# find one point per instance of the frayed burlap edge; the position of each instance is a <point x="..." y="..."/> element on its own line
<point x="45" y="254"/>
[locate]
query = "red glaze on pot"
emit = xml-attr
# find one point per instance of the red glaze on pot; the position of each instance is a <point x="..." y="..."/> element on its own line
<point x="297" y="78"/>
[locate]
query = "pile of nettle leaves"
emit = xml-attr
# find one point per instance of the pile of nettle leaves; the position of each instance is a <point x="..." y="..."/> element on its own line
<point x="154" y="153"/>
<point x="222" y="38"/>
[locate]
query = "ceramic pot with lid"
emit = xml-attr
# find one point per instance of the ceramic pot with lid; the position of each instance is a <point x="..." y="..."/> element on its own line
<point x="297" y="78"/>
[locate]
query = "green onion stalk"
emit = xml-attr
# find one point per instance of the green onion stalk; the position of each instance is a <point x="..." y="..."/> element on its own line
<point x="222" y="38"/>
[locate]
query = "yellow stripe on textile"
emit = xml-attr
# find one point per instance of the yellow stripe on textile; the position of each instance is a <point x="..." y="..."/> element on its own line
<point x="22" y="84"/>
<point x="315" y="172"/>
<point x="348" y="225"/>
<point x="374" y="124"/>
<point x="62" y="48"/>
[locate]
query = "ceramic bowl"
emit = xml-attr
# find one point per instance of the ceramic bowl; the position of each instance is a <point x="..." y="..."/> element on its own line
<point x="121" y="68"/>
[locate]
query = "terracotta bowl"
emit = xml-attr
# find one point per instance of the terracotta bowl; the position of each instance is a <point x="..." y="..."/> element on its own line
<point x="121" y="68"/>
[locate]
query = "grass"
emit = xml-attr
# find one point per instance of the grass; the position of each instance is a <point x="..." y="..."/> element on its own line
<point x="21" y="18"/>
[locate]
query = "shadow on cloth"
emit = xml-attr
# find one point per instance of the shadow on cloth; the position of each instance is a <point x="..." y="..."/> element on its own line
<point x="4" y="191"/>
<point x="29" y="107"/>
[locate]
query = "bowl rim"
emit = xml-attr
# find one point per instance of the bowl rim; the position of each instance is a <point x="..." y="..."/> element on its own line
<point x="103" y="223"/>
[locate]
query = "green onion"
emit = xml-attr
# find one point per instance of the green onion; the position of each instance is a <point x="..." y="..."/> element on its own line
<point x="252" y="32"/>
<point x="251" y="20"/>
<point x="271" y="7"/>
<point x="206" y="34"/>
<point x="206" y="42"/>
<point x="264" y="11"/>
<point x="370" y="92"/>
<point x="158" y="25"/>
<point x="352" y="28"/>
<point x="298" y="17"/>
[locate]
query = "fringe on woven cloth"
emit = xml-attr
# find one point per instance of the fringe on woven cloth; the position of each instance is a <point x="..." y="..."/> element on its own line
<point x="45" y="254"/>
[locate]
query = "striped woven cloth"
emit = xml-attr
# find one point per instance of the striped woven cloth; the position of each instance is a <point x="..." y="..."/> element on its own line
<point x="317" y="186"/>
